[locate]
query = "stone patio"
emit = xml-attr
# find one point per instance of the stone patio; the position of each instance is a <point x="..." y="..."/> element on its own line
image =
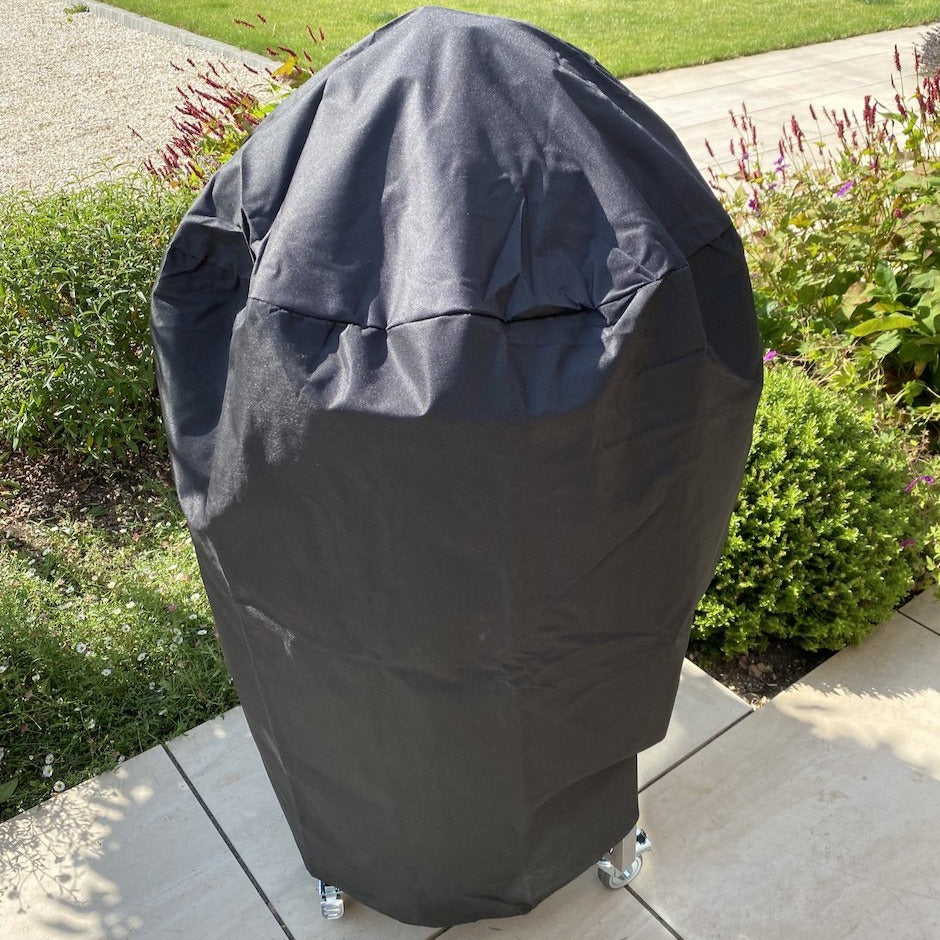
<point x="814" y="817"/>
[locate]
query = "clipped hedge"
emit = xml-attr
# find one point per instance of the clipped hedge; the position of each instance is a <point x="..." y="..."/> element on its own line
<point x="818" y="551"/>
<point x="76" y="270"/>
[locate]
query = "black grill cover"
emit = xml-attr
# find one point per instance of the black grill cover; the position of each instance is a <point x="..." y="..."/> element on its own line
<point x="458" y="363"/>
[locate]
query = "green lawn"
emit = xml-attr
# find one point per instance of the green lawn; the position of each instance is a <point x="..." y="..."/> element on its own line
<point x="107" y="645"/>
<point x="630" y="38"/>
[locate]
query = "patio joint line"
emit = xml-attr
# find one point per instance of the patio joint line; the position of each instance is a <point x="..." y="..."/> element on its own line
<point x="916" y="622"/>
<point x="267" y="901"/>
<point x="665" y="925"/>
<point x="695" y="751"/>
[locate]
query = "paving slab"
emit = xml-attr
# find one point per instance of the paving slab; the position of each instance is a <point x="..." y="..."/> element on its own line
<point x="128" y="853"/>
<point x="222" y="762"/>
<point x="925" y="610"/>
<point x="775" y="86"/>
<point x="582" y="910"/>
<point x="781" y="63"/>
<point x="704" y="709"/>
<point x="817" y="816"/>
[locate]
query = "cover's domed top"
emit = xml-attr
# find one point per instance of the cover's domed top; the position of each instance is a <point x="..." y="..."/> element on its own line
<point x="482" y="166"/>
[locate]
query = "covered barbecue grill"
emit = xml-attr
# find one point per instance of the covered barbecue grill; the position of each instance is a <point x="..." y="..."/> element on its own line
<point x="458" y="364"/>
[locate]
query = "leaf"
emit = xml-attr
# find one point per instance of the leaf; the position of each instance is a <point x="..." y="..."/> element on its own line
<point x="926" y="280"/>
<point x="885" y="279"/>
<point x="926" y="212"/>
<point x="8" y="788"/>
<point x="855" y="295"/>
<point x="908" y="181"/>
<point x="801" y="220"/>
<point x="897" y="321"/>
<point x="286" y="69"/>
<point x="889" y="306"/>
<point x="886" y="344"/>
<point x="929" y="312"/>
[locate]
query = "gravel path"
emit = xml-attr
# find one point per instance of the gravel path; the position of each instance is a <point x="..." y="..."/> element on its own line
<point x="70" y="90"/>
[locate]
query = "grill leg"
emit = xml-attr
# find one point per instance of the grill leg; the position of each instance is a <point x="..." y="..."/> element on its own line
<point x="623" y="862"/>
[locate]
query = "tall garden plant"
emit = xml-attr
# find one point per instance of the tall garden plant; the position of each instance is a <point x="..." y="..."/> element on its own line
<point x="843" y="235"/>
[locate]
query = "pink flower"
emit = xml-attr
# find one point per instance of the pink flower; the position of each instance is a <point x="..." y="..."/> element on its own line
<point x="770" y="355"/>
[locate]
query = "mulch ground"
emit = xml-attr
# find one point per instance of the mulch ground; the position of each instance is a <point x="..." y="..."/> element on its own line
<point x="49" y="489"/>
<point x="761" y="676"/>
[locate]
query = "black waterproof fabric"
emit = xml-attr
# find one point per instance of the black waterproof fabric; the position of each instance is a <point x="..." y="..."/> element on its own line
<point x="459" y="364"/>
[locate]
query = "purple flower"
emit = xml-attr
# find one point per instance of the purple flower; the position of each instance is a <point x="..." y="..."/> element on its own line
<point x="770" y="355"/>
<point x="907" y="543"/>
<point x="925" y="479"/>
<point x="844" y="188"/>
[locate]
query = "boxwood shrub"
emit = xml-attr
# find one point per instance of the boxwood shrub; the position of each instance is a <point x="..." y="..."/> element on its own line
<point x="76" y="270"/>
<point x="818" y="551"/>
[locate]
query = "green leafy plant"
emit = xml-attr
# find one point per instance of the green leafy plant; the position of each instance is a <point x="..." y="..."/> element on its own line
<point x="825" y="535"/>
<point x="843" y="240"/>
<point x="76" y="270"/>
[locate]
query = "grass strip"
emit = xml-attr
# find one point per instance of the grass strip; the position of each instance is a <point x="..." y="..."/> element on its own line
<point x="107" y="645"/>
<point x="628" y="38"/>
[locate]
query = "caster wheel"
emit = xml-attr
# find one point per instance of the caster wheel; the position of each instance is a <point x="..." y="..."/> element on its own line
<point x="332" y="906"/>
<point x="609" y="880"/>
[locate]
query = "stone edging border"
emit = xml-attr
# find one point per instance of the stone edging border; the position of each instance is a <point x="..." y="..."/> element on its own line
<point x="176" y="35"/>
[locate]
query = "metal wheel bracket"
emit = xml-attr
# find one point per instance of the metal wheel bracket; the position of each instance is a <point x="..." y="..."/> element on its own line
<point x="332" y="905"/>
<point x="612" y="871"/>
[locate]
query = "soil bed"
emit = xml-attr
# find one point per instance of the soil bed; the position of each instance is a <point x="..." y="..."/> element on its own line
<point x="46" y="488"/>
<point x="758" y="677"/>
